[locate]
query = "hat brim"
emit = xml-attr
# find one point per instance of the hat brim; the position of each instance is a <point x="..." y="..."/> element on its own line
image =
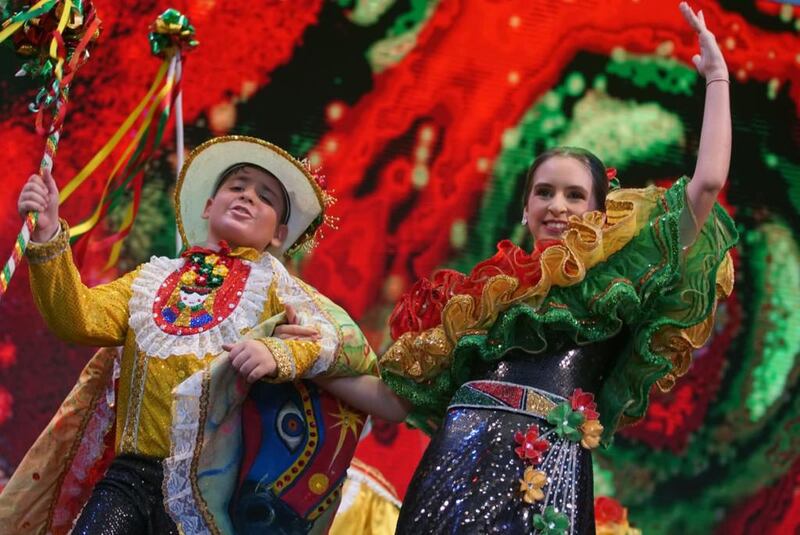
<point x="204" y="166"/>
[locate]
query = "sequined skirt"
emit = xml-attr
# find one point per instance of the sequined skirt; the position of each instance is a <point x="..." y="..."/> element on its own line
<point x="498" y="466"/>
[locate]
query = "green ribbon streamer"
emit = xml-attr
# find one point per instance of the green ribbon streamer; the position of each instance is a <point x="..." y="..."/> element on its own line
<point x="171" y="30"/>
<point x="25" y="16"/>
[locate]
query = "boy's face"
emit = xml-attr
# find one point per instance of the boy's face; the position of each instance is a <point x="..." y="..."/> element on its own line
<point x="247" y="210"/>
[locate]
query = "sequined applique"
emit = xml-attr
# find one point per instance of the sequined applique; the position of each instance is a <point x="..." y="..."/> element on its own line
<point x="591" y="429"/>
<point x="200" y="295"/>
<point x="550" y="465"/>
<point x="551" y="522"/>
<point x="531" y="448"/>
<point x="237" y="305"/>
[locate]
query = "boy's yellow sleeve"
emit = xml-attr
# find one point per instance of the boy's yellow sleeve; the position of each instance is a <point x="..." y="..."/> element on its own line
<point x="342" y="349"/>
<point x="91" y="316"/>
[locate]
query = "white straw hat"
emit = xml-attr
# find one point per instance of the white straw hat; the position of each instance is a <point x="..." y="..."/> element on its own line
<point x="204" y="167"/>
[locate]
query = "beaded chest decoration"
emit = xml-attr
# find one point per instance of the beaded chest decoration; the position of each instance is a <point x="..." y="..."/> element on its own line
<point x="201" y="294"/>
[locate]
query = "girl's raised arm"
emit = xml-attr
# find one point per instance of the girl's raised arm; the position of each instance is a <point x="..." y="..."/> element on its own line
<point x="714" y="153"/>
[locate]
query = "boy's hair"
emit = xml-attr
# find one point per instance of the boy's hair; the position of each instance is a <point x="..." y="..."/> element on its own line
<point x="592" y="163"/>
<point x="238" y="166"/>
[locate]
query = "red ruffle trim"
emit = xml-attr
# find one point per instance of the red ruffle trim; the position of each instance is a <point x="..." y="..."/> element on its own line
<point x="421" y="307"/>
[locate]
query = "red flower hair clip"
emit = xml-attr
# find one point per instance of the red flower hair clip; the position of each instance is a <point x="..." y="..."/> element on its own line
<point x="611" y="175"/>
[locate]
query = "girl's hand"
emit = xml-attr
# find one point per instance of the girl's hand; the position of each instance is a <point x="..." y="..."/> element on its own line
<point x="40" y="194"/>
<point x="293" y="330"/>
<point x="709" y="62"/>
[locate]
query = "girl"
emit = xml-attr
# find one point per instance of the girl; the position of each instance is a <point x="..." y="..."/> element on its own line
<point x="534" y="359"/>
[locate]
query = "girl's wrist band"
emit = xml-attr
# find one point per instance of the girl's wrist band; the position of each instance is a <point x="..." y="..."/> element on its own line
<point x="708" y="83"/>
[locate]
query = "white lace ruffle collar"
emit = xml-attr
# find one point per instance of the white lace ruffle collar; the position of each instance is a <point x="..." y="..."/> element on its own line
<point x="155" y="342"/>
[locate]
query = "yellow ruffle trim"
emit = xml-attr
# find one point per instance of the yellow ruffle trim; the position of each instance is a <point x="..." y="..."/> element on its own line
<point x="588" y="240"/>
<point x="677" y="344"/>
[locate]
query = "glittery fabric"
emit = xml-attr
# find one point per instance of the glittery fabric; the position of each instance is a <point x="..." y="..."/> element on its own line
<point x="511" y="277"/>
<point x="561" y="370"/>
<point x="284" y="363"/>
<point x="158" y="358"/>
<point x="469" y="478"/>
<point x="127" y="501"/>
<point x="148" y="408"/>
<point x="97" y="317"/>
<point x="39" y="253"/>
<point x="293" y="357"/>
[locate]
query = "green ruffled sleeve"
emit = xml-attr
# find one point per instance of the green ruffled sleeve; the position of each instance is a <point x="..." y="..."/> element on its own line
<point x="662" y="292"/>
<point x="677" y="288"/>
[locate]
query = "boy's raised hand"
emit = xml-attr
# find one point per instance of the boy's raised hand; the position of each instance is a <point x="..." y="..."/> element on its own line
<point x="40" y="194"/>
<point x="709" y="62"/>
<point x="252" y="359"/>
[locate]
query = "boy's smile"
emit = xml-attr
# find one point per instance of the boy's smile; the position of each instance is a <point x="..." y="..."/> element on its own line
<point x="248" y="210"/>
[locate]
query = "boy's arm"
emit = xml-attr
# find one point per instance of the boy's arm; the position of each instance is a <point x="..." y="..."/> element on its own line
<point x="92" y="316"/>
<point x="293" y="358"/>
<point x="341" y="348"/>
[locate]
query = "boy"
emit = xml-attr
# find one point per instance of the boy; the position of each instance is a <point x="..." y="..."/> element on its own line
<point x="178" y="405"/>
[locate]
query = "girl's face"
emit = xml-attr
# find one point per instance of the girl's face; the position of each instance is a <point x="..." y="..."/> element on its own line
<point x="562" y="186"/>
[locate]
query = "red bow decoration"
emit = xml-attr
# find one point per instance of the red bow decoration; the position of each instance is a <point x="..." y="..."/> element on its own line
<point x="224" y="250"/>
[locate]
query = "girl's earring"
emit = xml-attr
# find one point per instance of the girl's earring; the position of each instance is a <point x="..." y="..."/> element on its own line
<point x="524" y="219"/>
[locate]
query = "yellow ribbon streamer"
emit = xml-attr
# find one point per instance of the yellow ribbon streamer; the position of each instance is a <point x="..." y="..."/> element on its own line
<point x="62" y="23"/>
<point x="103" y="153"/>
<point x="127" y="221"/>
<point x="116" y="249"/>
<point x="88" y="224"/>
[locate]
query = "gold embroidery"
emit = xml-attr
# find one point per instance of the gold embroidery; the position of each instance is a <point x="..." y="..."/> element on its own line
<point x="39" y="253"/>
<point x="198" y="450"/>
<point x="339" y="355"/>
<point x="127" y="441"/>
<point x="419" y="356"/>
<point x="538" y="404"/>
<point x="285" y="364"/>
<point x="273" y="303"/>
<point x="305" y="355"/>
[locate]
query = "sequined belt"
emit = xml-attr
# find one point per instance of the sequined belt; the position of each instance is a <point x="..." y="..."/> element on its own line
<point x="505" y="396"/>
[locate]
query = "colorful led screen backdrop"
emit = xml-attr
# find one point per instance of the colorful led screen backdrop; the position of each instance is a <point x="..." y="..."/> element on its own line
<point x="424" y="116"/>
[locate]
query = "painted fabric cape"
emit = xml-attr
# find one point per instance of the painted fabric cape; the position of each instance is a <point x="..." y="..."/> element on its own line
<point x="56" y="477"/>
